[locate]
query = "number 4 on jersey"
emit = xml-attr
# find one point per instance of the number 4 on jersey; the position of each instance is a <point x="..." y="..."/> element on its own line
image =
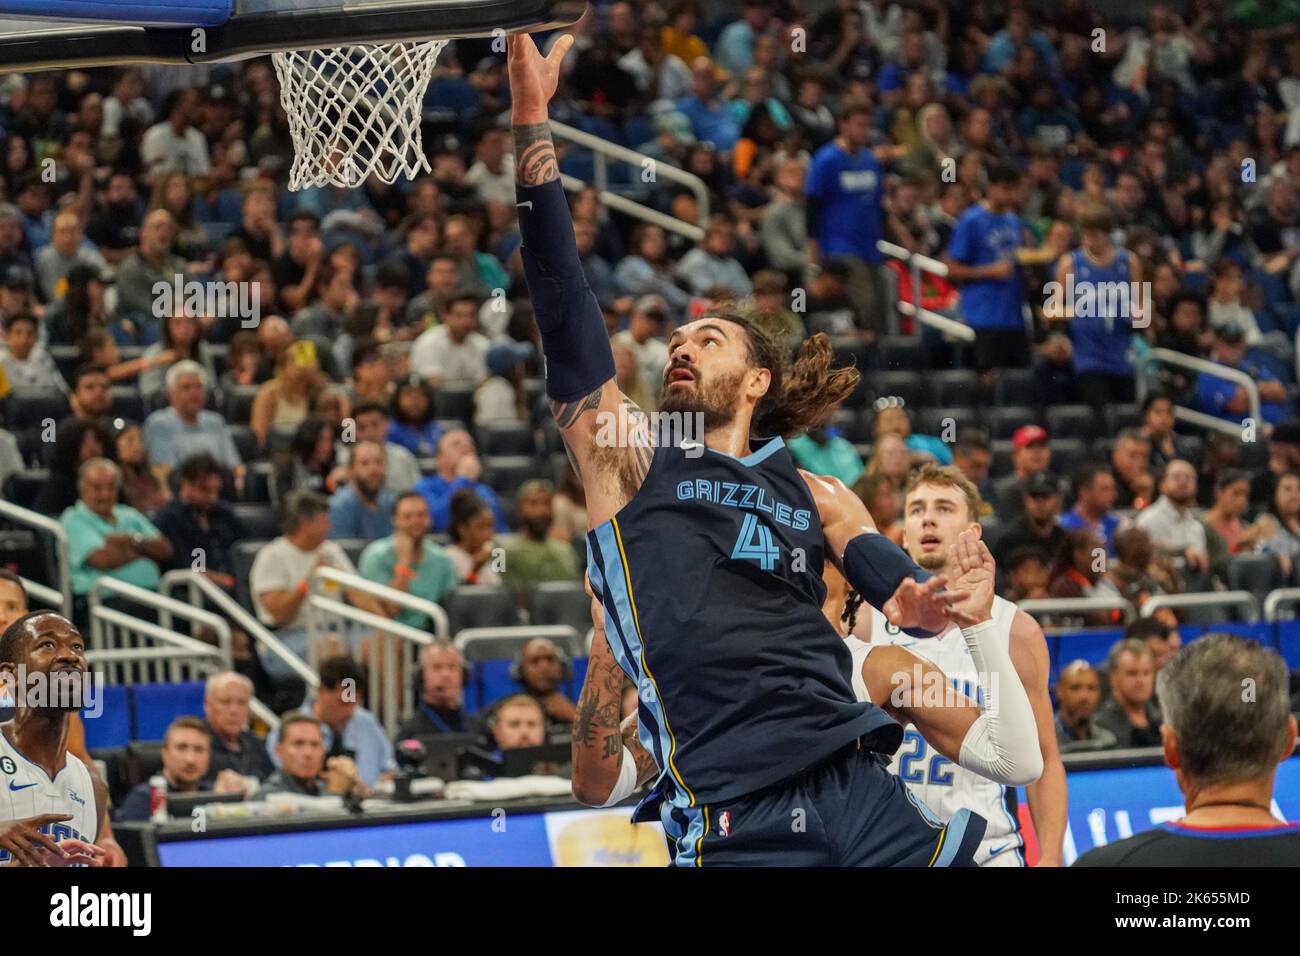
<point x="754" y="543"/>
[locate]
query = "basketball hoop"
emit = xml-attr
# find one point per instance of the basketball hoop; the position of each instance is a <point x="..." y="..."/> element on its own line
<point x="354" y="111"/>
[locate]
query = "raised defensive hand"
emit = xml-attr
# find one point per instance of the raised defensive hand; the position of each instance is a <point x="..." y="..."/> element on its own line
<point x="533" y="77"/>
<point x="975" y="578"/>
<point x="923" y="606"/>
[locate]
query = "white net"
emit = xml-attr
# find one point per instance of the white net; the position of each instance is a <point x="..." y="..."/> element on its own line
<point x="355" y="111"/>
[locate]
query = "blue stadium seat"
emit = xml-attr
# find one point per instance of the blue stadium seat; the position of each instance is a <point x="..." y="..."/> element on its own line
<point x="112" y="726"/>
<point x="489" y="683"/>
<point x="157" y="705"/>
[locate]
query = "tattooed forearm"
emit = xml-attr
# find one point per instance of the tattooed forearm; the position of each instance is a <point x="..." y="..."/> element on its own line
<point x="600" y="703"/>
<point x="646" y="768"/>
<point x="567" y="413"/>
<point x="535" y="161"/>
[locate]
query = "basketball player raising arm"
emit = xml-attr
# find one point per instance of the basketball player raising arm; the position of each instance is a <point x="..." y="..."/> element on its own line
<point x="706" y="549"/>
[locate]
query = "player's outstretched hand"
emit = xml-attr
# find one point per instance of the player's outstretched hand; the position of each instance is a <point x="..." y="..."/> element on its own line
<point x="533" y="77"/>
<point x="977" y="573"/>
<point x="74" y="852"/>
<point x="924" y="606"/>
<point x="25" y="841"/>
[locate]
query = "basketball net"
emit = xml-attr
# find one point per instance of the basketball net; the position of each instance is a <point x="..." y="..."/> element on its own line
<point x="354" y="111"/>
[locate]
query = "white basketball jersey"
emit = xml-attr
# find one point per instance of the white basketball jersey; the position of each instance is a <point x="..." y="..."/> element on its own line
<point x="27" y="791"/>
<point x="941" y="784"/>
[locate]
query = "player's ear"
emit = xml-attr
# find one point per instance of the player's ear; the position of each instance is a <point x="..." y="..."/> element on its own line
<point x="1169" y="742"/>
<point x="760" y="380"/>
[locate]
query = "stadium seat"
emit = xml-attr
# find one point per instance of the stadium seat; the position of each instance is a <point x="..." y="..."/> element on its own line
<point x="1254" y="572"/>
<point x="29" y="407"/>
<point x="1015" y="386"/>
<point x="157" y="705"/>
<point x="1002" y="464"/>
<point x="853" y="425"/>
<point x="954" y="387"/>
<point x="1003" y="420"/>
<point x="259" y="521"/>
<point x="67" y="358"/>
<point x="909" y="386"/>
<point x="1072" y="421"/>
<point x="935" y="421"/>
<point x="1068" y="456"/>
<point x="906" y="352"/>
<point x="352" y="547"/>
<point x="127" y="404"/>
<point x="477" y="605"/>
<point x="23" y="487"/>
<point x="505" y="473"/>
<point x="111" y="727"/>
<point x="279" y="438"/>
<point x="245" y="442"/>
<point x="143" y="760"/>
<point x="257" y="482"/>
<point x="454" y="403"/>
<point x="991" y="531"/>
<point x="560" y="602"/>
<point x="239" y="403"/>
<point x="242" y="556"/>
<point x="507" y="438"/>
<point x="1119" y="417"/>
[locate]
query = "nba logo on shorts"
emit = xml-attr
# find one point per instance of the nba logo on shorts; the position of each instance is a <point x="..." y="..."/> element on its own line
<point x="724" y="823"/>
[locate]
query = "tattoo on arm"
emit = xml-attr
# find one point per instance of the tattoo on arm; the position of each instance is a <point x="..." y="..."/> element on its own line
<point x="535" y="161"/>
<point x="599" y="705"/>
<point x="567" y="413"/>
<point x="646" y="768"/>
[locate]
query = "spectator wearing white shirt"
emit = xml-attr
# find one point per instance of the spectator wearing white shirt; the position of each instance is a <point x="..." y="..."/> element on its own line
<point x="279" y="580"/>
<point x="25" y="362"/>
<point x="455" y="352"/>
<point x="493" y="172"/>
<point x="653" y="70"/>
<point x="68" y="248"/>
<point x="175" y="144"/>
<point x="126" y="100"/>
<point x="1171" y="520"/>
<point x="500" y="398"/>
<point x="712" y="264"/>
<point x="644" y="337"/>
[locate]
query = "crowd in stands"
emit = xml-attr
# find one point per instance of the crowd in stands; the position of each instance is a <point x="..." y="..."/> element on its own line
<point x="360" y="366"/>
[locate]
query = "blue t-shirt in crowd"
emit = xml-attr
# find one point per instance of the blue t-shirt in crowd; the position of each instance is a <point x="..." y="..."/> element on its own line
<point x="437" y="492"/>
<point x="1073" y="521"/>
<point x="1102" y="339"/>
<point x="350" y="518"/>
<point x="849" y="190"/>
<point x="981" y="238"/>
<point x="1214" y="393"/>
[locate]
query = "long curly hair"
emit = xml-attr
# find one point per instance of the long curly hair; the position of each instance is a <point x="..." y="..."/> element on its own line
<point x="806" y="387"/>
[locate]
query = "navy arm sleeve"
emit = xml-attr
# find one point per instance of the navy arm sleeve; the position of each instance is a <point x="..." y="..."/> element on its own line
<point x="875" y="567"/>
<point x="578" y="355"/>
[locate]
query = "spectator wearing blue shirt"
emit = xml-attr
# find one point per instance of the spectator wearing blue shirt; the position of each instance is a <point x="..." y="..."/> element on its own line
<point x="413" y="425"/>
<point x="1094" y="496"/>
<point x="1018" y="32"/>
<point x="1101" y="310"/>
<point x="983" y="260"/>
<point x="712" y="120"/>
<point x="456" y="466"/>
<point x="363" y="508"/>
<point x="845" y="190"/>
<point x="1226" y="399"/>
<point x="734" y="49"/>
<point x="347" y="728"/>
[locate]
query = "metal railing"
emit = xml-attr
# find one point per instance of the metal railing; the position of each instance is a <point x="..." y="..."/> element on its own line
<point x="603" y="151"/>
<point x="399" y="644"/>
<point x="1203" y="599"/>
<point x="166" y="607"/>
<point x="42" y="594"/>
<point x="1279" y="599"/>
<point x="518" y="635"/>
<point x="183" y="658"/>
<point x="1199" y="365"/>
<point x="62" y="561"/>
<point x="918" y="263"/>
<point x="199" y="587"/>
<point x="1079" y="605"/>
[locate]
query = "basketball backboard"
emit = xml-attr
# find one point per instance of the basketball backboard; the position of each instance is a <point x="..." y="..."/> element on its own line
<point x="51" y="34"/>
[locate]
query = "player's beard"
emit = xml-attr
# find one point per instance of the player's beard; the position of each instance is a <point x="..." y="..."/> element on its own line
<point x="714" y="401"/>
<point x="932" y="561"/>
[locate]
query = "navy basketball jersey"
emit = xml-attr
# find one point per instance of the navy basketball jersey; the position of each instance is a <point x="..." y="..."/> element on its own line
<point x="711" y="581"/>
<point x="1101" y="335"/>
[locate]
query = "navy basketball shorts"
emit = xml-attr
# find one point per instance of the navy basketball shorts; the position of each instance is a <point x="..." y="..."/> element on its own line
<point x="848" y="810"/>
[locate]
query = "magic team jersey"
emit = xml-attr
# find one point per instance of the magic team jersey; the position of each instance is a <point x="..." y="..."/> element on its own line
<point x="1102" y="325"/>
<point x="711" y="581"/>
<point x="26" y="791"/>
<point x="936" y="781"/>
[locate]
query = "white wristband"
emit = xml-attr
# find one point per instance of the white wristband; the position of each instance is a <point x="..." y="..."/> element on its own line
<point x="626" y="785"/>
